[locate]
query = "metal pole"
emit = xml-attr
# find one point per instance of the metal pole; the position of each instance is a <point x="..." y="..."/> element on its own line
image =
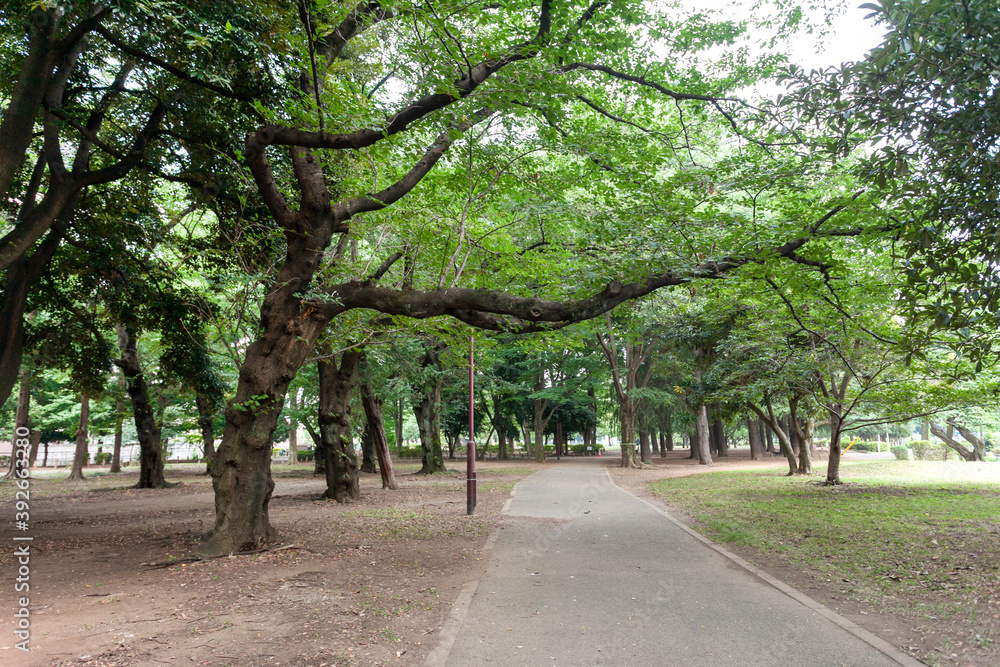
<point x="471" y="455"/>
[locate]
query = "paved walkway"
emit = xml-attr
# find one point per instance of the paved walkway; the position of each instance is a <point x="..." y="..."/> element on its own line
<point x="586" y="574"/>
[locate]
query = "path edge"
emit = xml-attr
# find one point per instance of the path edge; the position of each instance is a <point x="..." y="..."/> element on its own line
<point x="448" y="634"/>
<point x="866" y="636"/>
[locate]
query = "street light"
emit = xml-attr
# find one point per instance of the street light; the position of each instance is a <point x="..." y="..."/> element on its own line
<point x="471" y="450"/>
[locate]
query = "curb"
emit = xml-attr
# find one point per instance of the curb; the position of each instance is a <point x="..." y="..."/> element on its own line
<point x="864" y="635"/>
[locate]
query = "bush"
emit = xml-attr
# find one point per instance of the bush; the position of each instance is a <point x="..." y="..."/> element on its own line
<point x="901" y="452"/>
<point x="411" y="453"/>
<point x="921" y="448"/>
<point x="581" y="450"/>
<point x="100" y="458"/>
<point x="865" y="446"/>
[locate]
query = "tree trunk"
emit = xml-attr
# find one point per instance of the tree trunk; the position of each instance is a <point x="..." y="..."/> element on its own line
<point x="502" y="453"/>
<point x="833" y="466"/>
<point x="399" y="427"/>
<point x="116" y="456"/>
<point x="206" y="414"/>
<point x="774" y="424"/>
<point x="804" y="436"/>
<point x="692" y="439"/>
<point x="700" y="442"/>
<point x="768" y="436"/>
<point x="147" y="430"/>
<point x="645" y="452"/>
<point x="22" y="423"/>
<point x="528" y="451"/>
<point x="36" y="438"/>
<point x="557" y="438"/>
<point x="81" y="457"/>
<point x="336" y="386"/>
<point x="978" y="449"/>
<point x="373" y="413"/>
<point x="753" y="434"/>
<point x="452" y="441"/>
<point x="924" y="430"/>
<point x="368" y="450"/>
<point x="428" y="411"/>
<point x="629" y="454"/>
<point x="722" y="446"/>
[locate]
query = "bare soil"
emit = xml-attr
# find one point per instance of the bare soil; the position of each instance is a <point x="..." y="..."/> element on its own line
<point x="901" y="622"/>
<point x="368" y="583"/>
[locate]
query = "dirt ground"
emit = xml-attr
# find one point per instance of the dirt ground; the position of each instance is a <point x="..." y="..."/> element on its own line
<point x="363" y="584"/>
<point x="897" y="621"/>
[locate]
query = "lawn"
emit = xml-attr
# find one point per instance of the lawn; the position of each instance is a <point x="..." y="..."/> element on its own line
<point x="917" y="538"/>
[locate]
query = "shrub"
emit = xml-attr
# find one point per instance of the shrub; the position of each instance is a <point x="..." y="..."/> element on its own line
<point x="922" y="449"/>
<point x="901" y="452"/>
<point x="865" y="446"/>
<point x="100" y="458"/>
<point x="581" y="450"/>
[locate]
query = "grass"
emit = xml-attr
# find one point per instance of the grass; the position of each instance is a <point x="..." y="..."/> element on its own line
<point x="918" y="535"/>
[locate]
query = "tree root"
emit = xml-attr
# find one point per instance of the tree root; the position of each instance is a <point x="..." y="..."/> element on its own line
<point x="196" y="559"/>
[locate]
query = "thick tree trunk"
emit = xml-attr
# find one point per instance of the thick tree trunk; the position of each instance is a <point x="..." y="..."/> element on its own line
<point x="428" y="425"/>
<point x="116" y="455"/>
<point x="645" y="452"/>
<point x="630" y="458"/>
<point x="368" y="450"/>
<point x="833" y="466"/>
<point x="722" y="445"/>
<point x="36" y="438"/>
<point x="768" y="436"/>
<point x="336" y="386"/>
<point x="22" y="424"/>
<point x="147" y="430"/>
<point x="373" y="413"/>
<point x="753" y="434"/>
<point x="81" y="457"/>
<point x="502" y="453"/>
<point x="692" y="439"/>
<point x="526" y="430"/>
<point x="206" y="415"/>
<point x="452" y="441"/>
<point x="700" y="442"/>
<point x="428" y="411"/>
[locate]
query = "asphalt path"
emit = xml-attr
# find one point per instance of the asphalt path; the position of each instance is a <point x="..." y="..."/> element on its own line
<point x="584" y="573"/>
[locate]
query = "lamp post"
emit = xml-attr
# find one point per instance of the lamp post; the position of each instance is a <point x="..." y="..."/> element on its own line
<point x="471" y="456"/>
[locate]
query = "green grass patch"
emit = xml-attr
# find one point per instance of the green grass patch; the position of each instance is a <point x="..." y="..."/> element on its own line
<point x="924" y="534"/>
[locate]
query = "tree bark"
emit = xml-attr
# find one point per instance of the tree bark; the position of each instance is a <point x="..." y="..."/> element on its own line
<point x="336" y="386"/>
<point x="645" y="452"/>
<point x="700" y="442"/>
<point x="22" y="423"/>
<point x="147" y="430"/>
<point x="804" y="435"/>
<point x="368" y="450"/>
<point x="373" y="413"/>
<point x="116" y="456"/>
<point x="399" y="427"/>
<point x="774" y="423"/>
<point x="36" y="438"/>
<point x="719" y="429"/>
<point x="978" y="450"/>
<point x="753" y="434"/>
<point x="81" y="457"/>
<point x="428" y="411"/>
